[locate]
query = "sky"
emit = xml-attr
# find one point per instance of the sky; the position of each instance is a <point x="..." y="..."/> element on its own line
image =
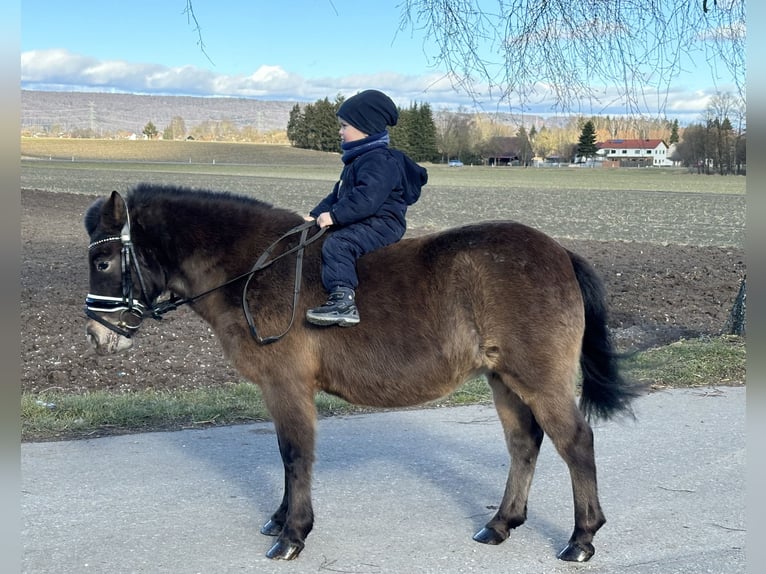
<point x="296" y="50"/>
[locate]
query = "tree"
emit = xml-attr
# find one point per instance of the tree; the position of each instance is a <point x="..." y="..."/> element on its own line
<point x="176" y="129"/>
<point x="322" y="124"/>
<point x="544" y="144"/>
<point x="150" y="130"/>
<point x="415" y="133"/>
<point x="525" y="147"/>
<point x="456" y="139"/>
<point x="692" y="150"/>
<point x="586" y="145"/>
<point x="315" y="126"/>
<point x="296" y="128"/>
<point x="577" y="48"/>
<point x="674" y="137"/>
<point x="722" y="108"/>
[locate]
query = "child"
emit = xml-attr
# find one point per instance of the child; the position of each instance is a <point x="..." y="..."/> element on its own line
<point x="367" y="206"/>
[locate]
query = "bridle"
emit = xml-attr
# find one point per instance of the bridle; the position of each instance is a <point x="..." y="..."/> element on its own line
<point x="129" y="307"/>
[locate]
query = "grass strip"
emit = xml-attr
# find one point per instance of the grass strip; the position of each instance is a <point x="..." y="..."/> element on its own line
<point x="707" y="361"/>
<point x="53" y="415"/>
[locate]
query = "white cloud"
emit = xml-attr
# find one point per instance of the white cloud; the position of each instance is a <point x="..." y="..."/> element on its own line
<point x="50" y="65"/>
<point x="60" y="69"/>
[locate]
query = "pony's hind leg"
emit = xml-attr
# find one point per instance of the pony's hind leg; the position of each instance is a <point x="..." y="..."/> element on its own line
<point x="523" y="437"/>
<point x="572" y="436"/>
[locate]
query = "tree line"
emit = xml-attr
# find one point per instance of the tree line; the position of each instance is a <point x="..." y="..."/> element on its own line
<point x="716" y="144"/>
<point x="472" y="138"/>
<point x="315" y="126"/>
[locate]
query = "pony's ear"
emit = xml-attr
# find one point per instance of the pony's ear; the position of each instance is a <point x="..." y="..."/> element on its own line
<point x="108" y="214"/>
<point x="93" y="216"/>
<point x="114" y="211"/>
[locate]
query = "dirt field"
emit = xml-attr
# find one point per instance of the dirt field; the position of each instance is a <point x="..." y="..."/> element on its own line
<point x="657" y="294"/>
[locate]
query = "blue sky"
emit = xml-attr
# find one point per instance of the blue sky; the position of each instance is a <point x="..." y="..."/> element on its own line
<point x="293" y="50"/>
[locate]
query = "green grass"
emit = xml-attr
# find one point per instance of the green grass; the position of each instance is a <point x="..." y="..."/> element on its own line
<point x="51" y="415"/>
<point x="707" y="361"/>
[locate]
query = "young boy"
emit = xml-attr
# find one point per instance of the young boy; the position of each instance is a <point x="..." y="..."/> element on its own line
<point x="367" y="206"/>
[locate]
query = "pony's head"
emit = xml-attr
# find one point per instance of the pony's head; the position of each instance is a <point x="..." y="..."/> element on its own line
<point x="115" y="304"/>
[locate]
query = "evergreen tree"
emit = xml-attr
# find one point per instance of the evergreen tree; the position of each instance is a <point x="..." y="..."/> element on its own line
<point x="674" y="132"/>
<point x="405" y="133"/>
<point x="400" y="134"/>
<point x="427" y="149"/>
<point x="296" y="132"/>
<point x="150" y="130"/>
<point x="324" y="125"/>
<point x="309" y="120"/>
<point x="415" y="133"/>
<point x="316" y="127"/>
<point x="586" y="145"/>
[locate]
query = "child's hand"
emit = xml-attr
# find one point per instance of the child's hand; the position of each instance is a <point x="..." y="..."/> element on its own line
<point x="324" y="220"/>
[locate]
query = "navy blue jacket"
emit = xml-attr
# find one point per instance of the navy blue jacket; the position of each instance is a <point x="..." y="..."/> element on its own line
<point x="379" y="184"/>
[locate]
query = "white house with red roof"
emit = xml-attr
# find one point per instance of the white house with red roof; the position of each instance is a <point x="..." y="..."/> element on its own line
<point x="636" y="153"/>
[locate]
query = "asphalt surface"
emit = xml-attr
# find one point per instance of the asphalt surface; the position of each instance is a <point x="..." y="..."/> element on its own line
<point x="398" y="492"/>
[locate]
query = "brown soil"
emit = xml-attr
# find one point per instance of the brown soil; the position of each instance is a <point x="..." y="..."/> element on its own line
<point x="657" y="294"/>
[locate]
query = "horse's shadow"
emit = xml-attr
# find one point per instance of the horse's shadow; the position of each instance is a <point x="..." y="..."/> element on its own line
<point x="392" y="461"/>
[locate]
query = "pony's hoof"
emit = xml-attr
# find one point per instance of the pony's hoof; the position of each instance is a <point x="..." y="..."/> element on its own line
<point x="284" y="550"/>
<point x="577" y="553"/>
<point x="489" y="536"/>
<point x="271" y="528"/>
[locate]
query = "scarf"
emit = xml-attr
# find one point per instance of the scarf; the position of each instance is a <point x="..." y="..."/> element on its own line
<point x="352" y="150"/>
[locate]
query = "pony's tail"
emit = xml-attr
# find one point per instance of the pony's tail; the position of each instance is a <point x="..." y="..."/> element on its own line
<point x="605" y="392"/>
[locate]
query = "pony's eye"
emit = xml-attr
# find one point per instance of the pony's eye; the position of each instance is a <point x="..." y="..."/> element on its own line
<point x="102" y="265"/>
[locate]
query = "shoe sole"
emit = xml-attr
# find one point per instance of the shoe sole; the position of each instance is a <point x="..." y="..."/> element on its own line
<point x="329" y="321"/>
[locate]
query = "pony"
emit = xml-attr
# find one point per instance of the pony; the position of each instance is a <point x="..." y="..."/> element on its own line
<point x="498" y="299"/>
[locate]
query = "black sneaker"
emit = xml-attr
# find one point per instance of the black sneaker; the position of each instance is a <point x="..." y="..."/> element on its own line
<point x="339" y="309"/>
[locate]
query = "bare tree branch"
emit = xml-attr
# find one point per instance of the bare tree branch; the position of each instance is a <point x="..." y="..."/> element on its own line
<point x="579" y="52"/>
<point x="192" y="17"/>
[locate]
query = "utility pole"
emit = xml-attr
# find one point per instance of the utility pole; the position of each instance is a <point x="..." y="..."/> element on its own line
<point x="92" y="116"/>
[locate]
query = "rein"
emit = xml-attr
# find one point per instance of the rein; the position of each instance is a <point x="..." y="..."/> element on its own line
<point x="135" y="309"/>
<point x="262" y="262"/>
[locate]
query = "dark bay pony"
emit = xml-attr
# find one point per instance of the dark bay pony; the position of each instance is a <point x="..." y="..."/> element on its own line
<point x="497" y="298"/>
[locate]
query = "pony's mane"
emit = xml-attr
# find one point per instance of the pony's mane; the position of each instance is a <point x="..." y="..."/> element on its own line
<point x="144" y="192"/>
<point x="226" y="205"/>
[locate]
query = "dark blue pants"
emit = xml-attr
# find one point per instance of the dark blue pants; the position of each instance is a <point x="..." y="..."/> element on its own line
<point x="345" y="245"/>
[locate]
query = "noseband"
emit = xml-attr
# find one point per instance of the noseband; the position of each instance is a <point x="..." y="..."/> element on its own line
<point x="131" y="311"/>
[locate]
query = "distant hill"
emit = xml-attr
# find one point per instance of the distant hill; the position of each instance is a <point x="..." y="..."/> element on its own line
<point x="112" y="113"/>
<point x="108" y="114"/>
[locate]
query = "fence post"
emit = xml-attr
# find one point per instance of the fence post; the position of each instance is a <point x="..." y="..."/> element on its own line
<point x="735" y="324"/>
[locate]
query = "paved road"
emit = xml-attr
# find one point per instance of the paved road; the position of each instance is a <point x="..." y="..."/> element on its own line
<point x="394" y="492"/>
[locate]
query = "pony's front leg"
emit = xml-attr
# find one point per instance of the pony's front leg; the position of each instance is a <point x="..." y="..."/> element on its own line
<point x="294" y="518"/>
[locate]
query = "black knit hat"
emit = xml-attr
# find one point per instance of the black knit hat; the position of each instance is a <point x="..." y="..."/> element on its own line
<point x="369" y="111"/>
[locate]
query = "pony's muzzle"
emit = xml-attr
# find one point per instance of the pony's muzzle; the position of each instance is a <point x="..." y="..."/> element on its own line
<point x="105" y="341"/>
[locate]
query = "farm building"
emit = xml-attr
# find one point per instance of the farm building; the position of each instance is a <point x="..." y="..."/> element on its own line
<point x="502" y="151"/>
<point x="635" y="153"/>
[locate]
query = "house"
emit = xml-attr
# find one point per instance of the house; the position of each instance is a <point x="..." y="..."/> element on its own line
<point x="502" y="151"/>
<point x="635" y="153"/>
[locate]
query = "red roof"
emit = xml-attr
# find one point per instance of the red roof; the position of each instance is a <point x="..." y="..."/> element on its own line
<point x="630" y="144"/>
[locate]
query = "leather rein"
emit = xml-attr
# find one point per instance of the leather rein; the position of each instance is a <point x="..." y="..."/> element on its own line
<point x="132" y="311"/>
